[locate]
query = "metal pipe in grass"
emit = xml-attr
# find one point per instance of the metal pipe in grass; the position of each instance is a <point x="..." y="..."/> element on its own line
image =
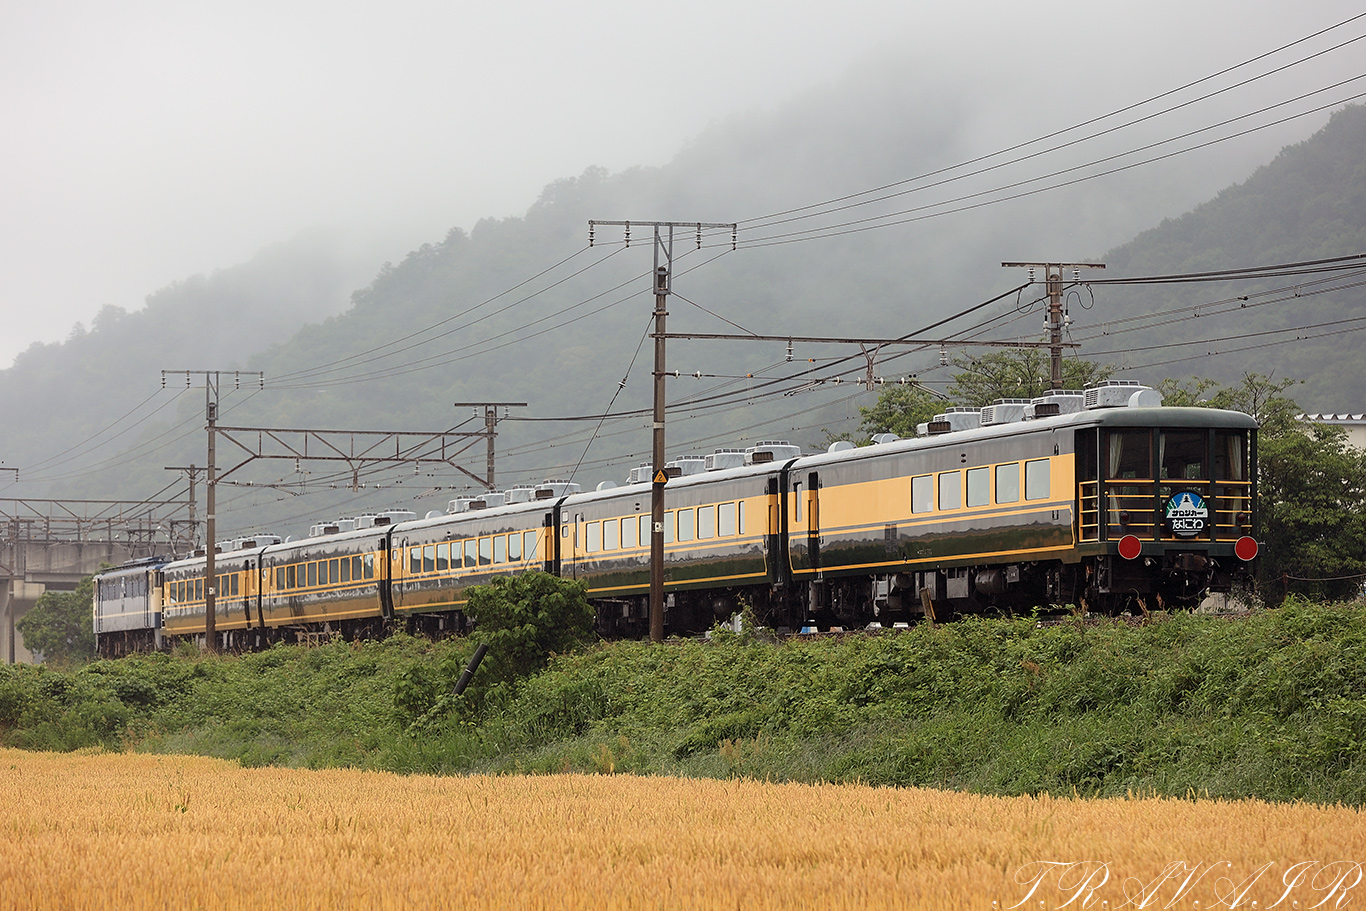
<point x="470" y="668"/>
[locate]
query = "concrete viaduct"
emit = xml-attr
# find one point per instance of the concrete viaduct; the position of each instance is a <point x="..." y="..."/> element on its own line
<point x="50" y="545"/>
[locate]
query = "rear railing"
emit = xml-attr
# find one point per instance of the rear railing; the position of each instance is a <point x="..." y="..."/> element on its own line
<point x="1134" y="507"/>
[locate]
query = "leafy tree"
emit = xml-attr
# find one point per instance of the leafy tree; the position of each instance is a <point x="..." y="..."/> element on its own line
<point x="524" y="619"/>
<point x="1186" y="393"/>
<point x="1260" y="396"/>
<point x="898" y="409"/>
<point x="1312" y="497"/>
<point x="1022" y="374"/>
<point x="60" y="625"/>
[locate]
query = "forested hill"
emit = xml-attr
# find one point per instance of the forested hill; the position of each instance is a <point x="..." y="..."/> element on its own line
<point x="1307" y="204"/>
<point x="521" y="309"/>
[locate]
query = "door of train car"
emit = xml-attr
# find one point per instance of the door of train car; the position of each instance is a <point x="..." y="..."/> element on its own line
<point x="803" y="523"/>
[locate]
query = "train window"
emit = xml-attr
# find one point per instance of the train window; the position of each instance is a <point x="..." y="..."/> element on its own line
<point x="485" y="551"/>
<point x="357" y="573"/>
<point x="312" y="574"/>
<point x="1129" y="454"/>
<point x="686" y="528"/>
<point x="528" y="545"/>
<point x="922" y="493"/>
<point x="1230" y="456"/>
<point x="429" y="558"/>
<point x="611" y="534"/>
<point x="368" y="561"/>
<point x="727" y="522"/>
<point x="630" y="531"/>
<point x="592" y="537"/>
<point x="333" y="572"/>
<point x="796" y="501"/>
<point x="706" y="522"/>
<point x="1008" y="483"/>
<point x="346" y="569"/>
<point x="1086" y="448"/>
<point x="1038" y="485"/>
<point x="290" y="571"/>
<point x="471" y="553"/>
<point x="950" y="490"/>
<point x="647" y="524"/>
<point x="1181" y="453"/>
<point x="979" y="486"/>
<point x="668" y="527"/>
<point x="500" y="549"/>
<point x="514" y="547"/>
<point x="740" y="513"/>
<point x="235" y="584"/>
<point x="199" y="589"/>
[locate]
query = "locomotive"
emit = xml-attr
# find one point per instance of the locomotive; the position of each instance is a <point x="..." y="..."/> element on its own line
<point x="1102" y="498"/>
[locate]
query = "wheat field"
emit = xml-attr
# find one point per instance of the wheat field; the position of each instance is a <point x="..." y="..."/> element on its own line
<point x="124" y="831"/>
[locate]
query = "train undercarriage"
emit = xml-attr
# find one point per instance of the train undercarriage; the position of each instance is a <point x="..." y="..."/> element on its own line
<point x="1105" y="585"/>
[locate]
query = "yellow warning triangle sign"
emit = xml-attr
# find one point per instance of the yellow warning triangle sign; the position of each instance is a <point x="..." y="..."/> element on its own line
<point x="661" y="477"/>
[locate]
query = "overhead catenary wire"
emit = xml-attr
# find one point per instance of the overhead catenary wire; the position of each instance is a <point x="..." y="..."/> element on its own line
<point x="352" y="360"/>
<point x="1064" y="131"/>
<point x="922" y="212"/>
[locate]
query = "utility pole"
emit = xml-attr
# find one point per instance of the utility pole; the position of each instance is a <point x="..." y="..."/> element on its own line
<point x="1053" y="283"/>
<point x="663" y="259"/>
<point x="192" y="472"/>
<point x="211" y="382"/>
<point x="490" y="426"/>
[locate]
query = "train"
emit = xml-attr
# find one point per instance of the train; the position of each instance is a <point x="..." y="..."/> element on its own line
<point x="1102" y="499"/>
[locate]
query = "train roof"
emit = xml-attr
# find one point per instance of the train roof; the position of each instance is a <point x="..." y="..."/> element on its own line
<point x="133" y="566"/>
<point x="1159" y="416"/>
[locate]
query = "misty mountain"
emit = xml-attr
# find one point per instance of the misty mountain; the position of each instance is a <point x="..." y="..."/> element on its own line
<point x="1307" y="204"/>
<point x="56" y="395"/>
<point x="522" y="309"/>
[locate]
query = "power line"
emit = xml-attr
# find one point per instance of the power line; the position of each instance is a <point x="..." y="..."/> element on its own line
<point x="1066" y="130"/>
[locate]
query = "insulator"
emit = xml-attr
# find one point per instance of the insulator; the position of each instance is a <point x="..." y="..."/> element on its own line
<point x="789" y="350"/>
<point x="1031" y="273"/>
<point x="943" y="357"/>
<point x="1076" y="275"/>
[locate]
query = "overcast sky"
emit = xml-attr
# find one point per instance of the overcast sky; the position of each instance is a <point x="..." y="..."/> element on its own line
<point x="146" y="141"/>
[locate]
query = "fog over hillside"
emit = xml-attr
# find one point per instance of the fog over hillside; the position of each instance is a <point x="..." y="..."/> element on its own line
<point x="152" y="142"/>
